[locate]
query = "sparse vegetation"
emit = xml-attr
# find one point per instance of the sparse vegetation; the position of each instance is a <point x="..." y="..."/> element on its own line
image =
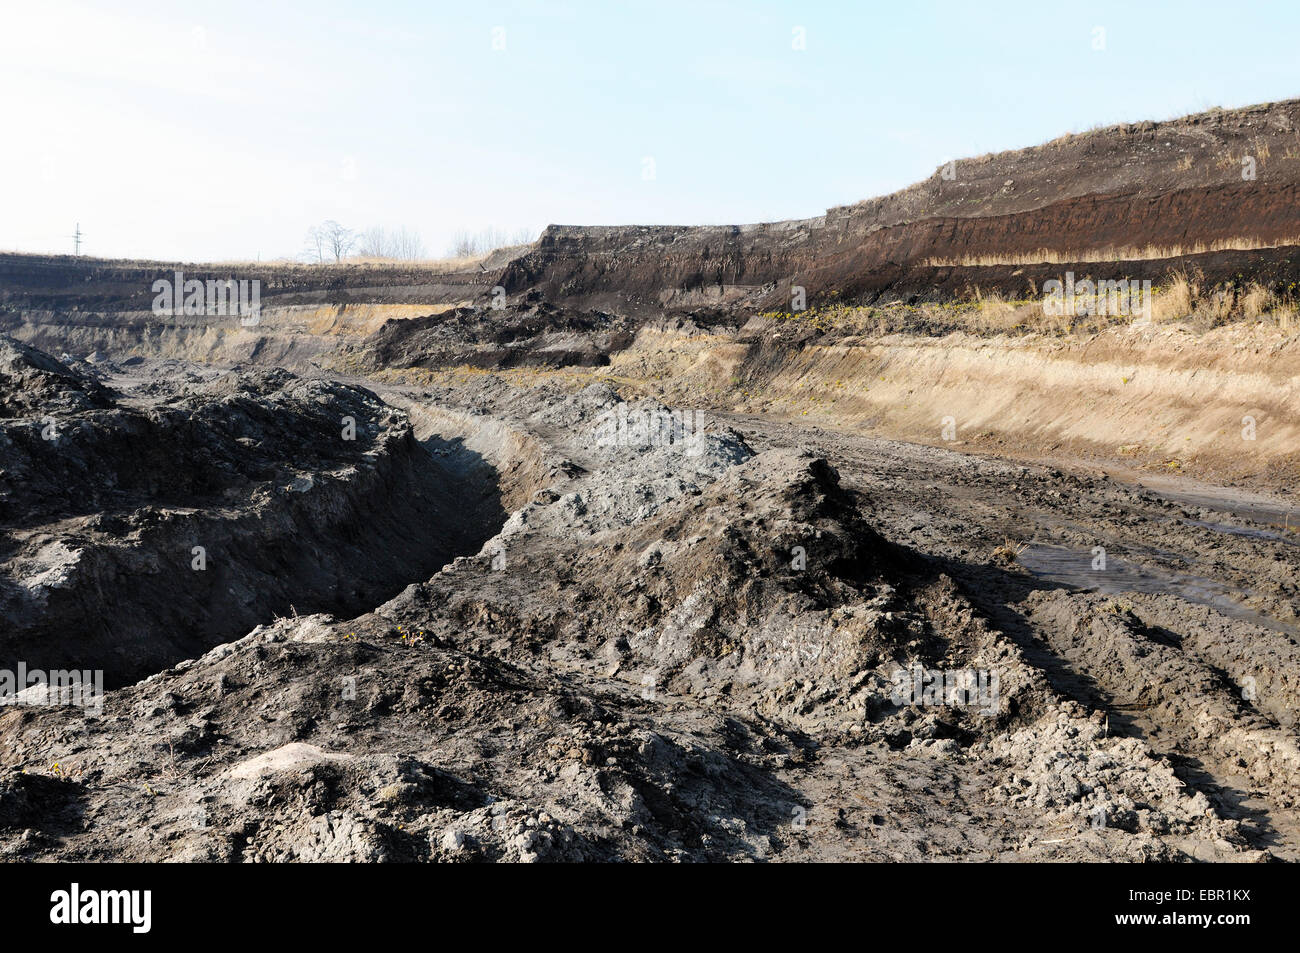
<point x="398" y="244"/>
<point x="329" y="240"/>
<point x="1182" y="296"/>
<point x="1185" y="297"/>
<point x="333" y="243"/>
<point x="1049" y="256"/>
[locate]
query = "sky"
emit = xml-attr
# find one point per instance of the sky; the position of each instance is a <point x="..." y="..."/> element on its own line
<point x="223" y="131"/>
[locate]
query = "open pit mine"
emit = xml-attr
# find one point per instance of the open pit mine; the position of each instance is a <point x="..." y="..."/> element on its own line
<point x="955" y="524"/>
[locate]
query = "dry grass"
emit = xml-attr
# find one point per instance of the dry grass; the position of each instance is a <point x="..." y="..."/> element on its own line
<point x="1257" y="300"/>
<point x="1287" y="317"/>
<point x="1009" y="552"/>
<point x="1185" y="297"/>
<point x="467" y="263"/>
<point x="1178" y="298"/>
<point x="1048" y="256"/>
<point x="1227" y="162"/>
<point x="994" y="313"/>
<point x="432" y="264"/>
<point x="235" y="263"/>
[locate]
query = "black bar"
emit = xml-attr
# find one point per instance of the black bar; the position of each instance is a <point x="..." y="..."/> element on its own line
<point x="302" y="902"/>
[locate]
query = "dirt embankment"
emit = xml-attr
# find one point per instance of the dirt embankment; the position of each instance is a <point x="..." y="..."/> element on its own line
<point x="100" y="285"/>
<point x="1221" y="404"/>
<point x="89" y="307"/>
<point x="145" y="524"/>
<point x="1146" y="198"/>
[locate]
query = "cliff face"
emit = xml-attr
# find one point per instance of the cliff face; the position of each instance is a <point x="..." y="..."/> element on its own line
<point x="1217" y="191"/>
<point x="62" y="282"/>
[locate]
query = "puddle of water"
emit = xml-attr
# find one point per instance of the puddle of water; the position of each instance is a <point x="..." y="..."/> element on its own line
<point x="1073" y="567"/>
<point x="1247" y="531"/>
<point x="1268" y="509"/>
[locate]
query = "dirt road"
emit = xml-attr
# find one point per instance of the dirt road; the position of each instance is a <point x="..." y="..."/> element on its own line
<point x="1184" y="633"/>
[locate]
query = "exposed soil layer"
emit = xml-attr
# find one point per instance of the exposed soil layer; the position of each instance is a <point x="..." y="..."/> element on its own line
<point x="1221" y="404"/>
<point x="1169" y="185"/>
<point x="105" y="285"/>
<point x="649" y="270"/>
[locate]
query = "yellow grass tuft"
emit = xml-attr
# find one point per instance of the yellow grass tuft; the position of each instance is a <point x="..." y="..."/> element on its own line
<point x="1257" y="300"/>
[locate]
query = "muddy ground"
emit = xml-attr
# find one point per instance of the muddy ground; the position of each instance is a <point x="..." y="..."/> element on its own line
<point x="711" y="637"/>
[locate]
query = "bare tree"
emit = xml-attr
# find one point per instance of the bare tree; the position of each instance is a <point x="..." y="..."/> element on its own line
<point x="466" y="244"/>
<point x="375" y="243"/>
<point x="315" y="244"/>
<point x="407" y="245"/>
<point x="402" y="244"/>
<point x="462" y="245"/>
<point x="338" y="239"/>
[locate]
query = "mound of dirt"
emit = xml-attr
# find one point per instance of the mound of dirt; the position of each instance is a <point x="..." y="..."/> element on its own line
<point x="530" y="335"/>
<point x="32" y="383"/>
<point x="141" y="529"/>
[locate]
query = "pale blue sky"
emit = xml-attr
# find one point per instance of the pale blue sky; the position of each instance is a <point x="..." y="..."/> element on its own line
<point x="208" y="131"/>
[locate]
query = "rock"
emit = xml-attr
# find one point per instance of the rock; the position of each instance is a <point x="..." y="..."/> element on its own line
<point x="288" y="757"/>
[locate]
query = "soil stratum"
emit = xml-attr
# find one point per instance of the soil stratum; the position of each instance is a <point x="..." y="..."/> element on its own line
<point x="832" y="539"/>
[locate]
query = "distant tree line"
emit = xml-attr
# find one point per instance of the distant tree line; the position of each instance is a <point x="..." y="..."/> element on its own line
<point x="466" y="244"/>
<point x="330" y="241"/>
